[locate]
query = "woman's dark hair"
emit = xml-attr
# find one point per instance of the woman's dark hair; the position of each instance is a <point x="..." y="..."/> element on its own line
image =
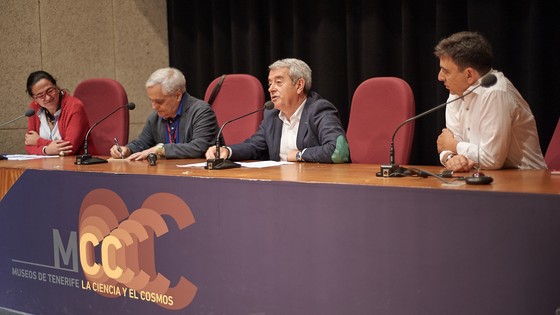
<point x="35" y="77"/>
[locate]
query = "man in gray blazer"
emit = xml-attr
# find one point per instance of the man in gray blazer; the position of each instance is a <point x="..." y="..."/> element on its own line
<point x="181" y="126"/>
<point x="302" y="127"/>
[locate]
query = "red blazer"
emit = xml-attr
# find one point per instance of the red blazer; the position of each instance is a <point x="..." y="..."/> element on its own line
<point x="73" y="125"/>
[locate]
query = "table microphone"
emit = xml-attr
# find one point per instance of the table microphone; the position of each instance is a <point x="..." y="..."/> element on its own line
<point x="388" y="169"/>
<point x="222" y="164"/>
<point x="87" y="159"/>
<point x="28" y="113"/>
<point x="478" y="178"/>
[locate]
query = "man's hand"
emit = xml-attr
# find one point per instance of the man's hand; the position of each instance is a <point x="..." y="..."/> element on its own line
<point x="117" y="155"/>
<point x="211" y="153"/>
<point x="446" y="142"/>
<point x="139" y="156"/>
<point x="459" y="163"/>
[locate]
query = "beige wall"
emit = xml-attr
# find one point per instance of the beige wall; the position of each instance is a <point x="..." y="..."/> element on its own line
<point x="74" y="40"/>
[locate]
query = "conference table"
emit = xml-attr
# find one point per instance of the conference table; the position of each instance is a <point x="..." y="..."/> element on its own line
<point x="301" y="238"/>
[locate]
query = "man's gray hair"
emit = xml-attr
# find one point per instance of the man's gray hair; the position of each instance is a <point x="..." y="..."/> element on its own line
<point x="297" y="69"/>
<point x="171" y="80"/>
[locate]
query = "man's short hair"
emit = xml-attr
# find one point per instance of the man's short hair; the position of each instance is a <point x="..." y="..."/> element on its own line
<point x="467" y="49"/>
<point x="170" y="79"/>
<point x="297" y="69"/>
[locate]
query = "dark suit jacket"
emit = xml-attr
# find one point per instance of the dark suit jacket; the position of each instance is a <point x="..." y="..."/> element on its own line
<point x="198" y="128"/>
<point x="320" y="129"/>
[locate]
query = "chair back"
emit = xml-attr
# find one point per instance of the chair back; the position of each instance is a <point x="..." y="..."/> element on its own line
<point x="552" y="156"/>
<point x="239" y="94"/>
<point x="101" y="96"/>
<point x="379" y="106"/>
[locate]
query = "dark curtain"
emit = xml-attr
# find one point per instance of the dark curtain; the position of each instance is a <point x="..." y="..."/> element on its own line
<point x="347" y="42"/>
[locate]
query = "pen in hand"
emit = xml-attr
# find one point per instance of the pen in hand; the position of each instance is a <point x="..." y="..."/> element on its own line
<point x="119" y="148"/>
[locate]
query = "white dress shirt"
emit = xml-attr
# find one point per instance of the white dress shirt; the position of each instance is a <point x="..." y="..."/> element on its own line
<point x="289" y="132"/>
<point x="495" y="127"/>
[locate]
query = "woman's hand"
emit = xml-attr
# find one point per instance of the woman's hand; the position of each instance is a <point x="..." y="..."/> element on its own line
<point x="31" y="137"/>
<point x="58" y="147"/>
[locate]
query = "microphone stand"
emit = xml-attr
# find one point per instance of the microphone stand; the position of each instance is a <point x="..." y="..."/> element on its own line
<point x="220" y="163"/>
<point x="87" y="159"/>
<point x="28" y="113"/>
<point x="388" y="169"/>
<point x="11" y="121"/>
<point x="478" y="178"/>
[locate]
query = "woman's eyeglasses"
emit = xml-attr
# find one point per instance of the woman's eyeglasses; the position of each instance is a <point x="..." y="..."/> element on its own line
<point x="42" y="96"/>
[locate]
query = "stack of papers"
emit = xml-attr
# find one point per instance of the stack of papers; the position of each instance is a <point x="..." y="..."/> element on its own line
<point x="22" y="157"/>
<point x="259" y="164"/>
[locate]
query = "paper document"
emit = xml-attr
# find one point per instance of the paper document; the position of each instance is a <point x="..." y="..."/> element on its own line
<point x="22" y="157"/>
<point x="259" y="164"/>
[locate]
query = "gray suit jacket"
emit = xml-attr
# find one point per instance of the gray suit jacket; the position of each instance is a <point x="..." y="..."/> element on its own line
<point x="198" y="128"/>
<point x="320" y="133"/>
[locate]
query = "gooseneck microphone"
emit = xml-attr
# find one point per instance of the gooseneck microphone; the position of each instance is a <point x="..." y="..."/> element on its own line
<point x="87" y="159"/>
<point x="388" y="169"/>
<point x="222" y="164"/>
<point x="28" y="113"/>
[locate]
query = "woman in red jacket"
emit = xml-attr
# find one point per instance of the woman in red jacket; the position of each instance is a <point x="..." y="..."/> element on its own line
<point x="60" y="122"/>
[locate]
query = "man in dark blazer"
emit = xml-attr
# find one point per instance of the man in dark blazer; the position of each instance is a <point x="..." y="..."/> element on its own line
<point x="302" y="127"/>
<point x="181" y="126"/>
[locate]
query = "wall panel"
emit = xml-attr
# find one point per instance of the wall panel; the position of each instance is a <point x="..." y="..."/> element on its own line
<point x="20" y="50"/>
<point x="75" y="40"/>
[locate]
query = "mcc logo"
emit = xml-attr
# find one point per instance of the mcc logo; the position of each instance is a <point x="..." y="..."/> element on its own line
<point x="125" y="243"/>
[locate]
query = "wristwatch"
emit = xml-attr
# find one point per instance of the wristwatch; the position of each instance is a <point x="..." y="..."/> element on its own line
<point x="159" y="147"/>
<point x="298" y="156"/>
<point x="449" y="156"/>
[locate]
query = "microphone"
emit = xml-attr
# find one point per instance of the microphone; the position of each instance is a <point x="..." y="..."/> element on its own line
<point x="152" y="159"/>
<point x="87" y="159"/>
<point x="28" y="113"/>
<point x="222" y="164"/>
<point x="388" y="169"/>
<point x="478" y="178"/>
